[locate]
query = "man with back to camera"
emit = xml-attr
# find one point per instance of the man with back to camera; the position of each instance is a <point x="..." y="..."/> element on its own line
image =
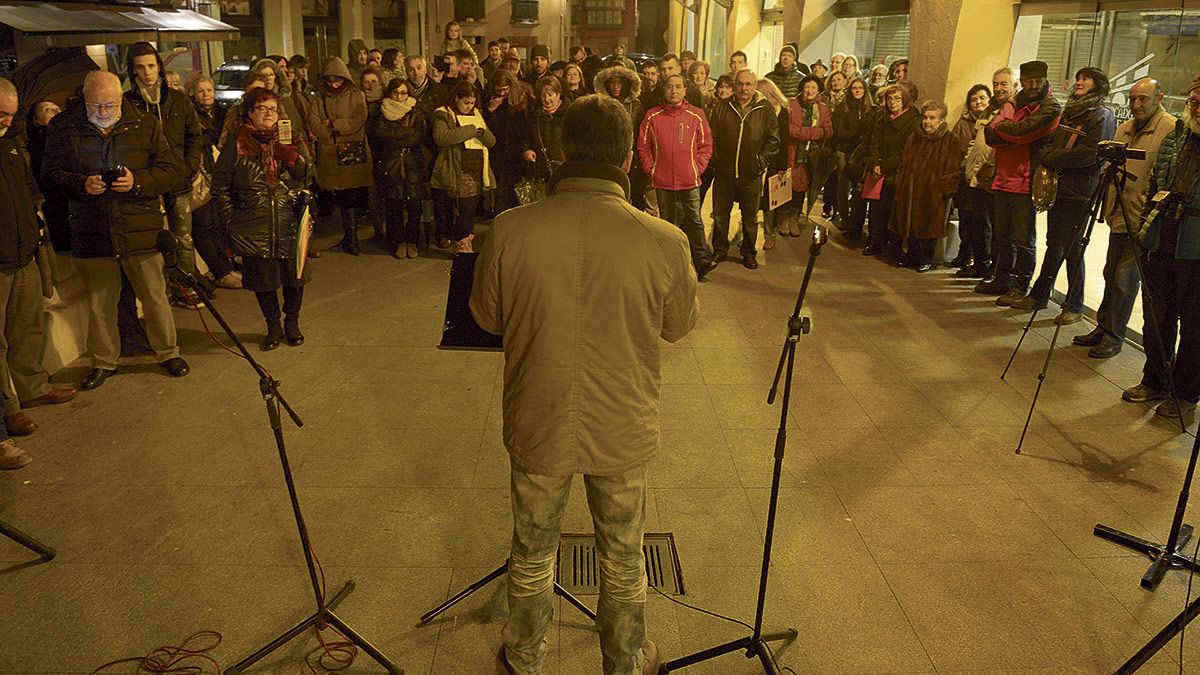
<point x="1145" y="130"/>
<point x="116" y="215"/>
<point x="582" y="348"/>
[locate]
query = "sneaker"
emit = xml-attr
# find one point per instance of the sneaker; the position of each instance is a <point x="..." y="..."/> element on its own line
<point x="410" y="251"/>
<point x="1009" y="298"/>
<point x="233" y="280"/>
<point x="1066" y="318"/>
<point x="769" y="244"/>
<point x="1173" y="409"/>
<point x="12" y="457"/>
<point x="646" y="659"/>
<point x="1143" y="394"/>
<point x="1027" y="302"/>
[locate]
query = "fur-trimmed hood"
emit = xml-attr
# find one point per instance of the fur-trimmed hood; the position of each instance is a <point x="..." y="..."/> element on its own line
<point x="282" y="87"/>
<point x="632" y="88"/>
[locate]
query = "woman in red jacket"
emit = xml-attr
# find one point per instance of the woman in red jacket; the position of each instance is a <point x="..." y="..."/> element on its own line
<point x="810" y="127"/>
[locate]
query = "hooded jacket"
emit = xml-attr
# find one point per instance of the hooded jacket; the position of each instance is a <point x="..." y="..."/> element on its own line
<point x="631" y="91"/>
<point x="675" y="146"/>
<point x="177" y="118"/>
<point x="19" y="198"/>
<point x="353" y="47"/>
<point x="1018" y="132"/>
<point x="744" y="141"/>
<point x="335" y="118"/>
<point x="111" y="223"/>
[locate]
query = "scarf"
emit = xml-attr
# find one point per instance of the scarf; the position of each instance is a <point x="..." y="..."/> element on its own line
<point x="418" y="91"/>
<point x="473" y="143"/>
<point x="373" y="95"/>
<point x="393" y="110"/>
<point x="811" y="117"/>
<point x="1082" y="105"/>
<point x="265" y="146"/>
<point x="936" y="133"/>
<point x="152" y="95"/>
<point x="836" y="98"/>
<point x="893" y="117"/>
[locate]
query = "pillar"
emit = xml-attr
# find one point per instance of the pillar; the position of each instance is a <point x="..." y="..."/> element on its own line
<point x="811" y="25"/>
<point x="745" y="22"/>
<point x="944" y="69"/>
<point x="283" y="27"/>
<point x="356" y="19"/>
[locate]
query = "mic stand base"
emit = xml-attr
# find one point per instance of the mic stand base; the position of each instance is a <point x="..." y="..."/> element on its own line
<point x="1165" y="559"/>
<point x="755" y="647"/>
<point x="489" y="578"/>
<point x="47" y="554"/>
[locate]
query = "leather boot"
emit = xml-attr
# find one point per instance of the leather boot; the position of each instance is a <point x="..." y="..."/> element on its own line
<point x="350" y="232"/>
<point x="292" y="298"/>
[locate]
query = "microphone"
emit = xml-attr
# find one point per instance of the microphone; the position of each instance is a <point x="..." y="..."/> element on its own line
<point x="167" y="246"/>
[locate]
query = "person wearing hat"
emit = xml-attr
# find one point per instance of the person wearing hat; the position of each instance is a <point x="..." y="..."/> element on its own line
<point x="1172" y="271"/>
<point x="1085" y="122"/>
<point x="1021" y="128"/>
<point x="819" y="69"/>
<point x="539" y="58"/>
<point x="785" y="76"/>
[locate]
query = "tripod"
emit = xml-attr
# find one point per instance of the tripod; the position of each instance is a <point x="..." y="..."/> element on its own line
<point x="47" y="554"/>
<point x="756" y="644"/>
<point x="489" y="578"/>
<point x="269" y="388"/>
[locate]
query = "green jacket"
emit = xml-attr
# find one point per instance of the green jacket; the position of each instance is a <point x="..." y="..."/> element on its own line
<point x="1187" y="246"/>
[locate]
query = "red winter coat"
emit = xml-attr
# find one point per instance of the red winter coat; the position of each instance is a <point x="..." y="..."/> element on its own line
<point x="674" y="145"/>
<point x="805" y="137"/>
<point x="1017" y="134"/>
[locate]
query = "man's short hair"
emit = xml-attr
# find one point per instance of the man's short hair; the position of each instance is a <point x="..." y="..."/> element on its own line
<point x="669" y="56"/>
<point x="677" y="75"/>
<point x="7" y="88"/>
<point x="649" y="64"/>
<point x="493" y="43"/>
<point x="738" y="53"/>
<point x="687" y="54"/>
<point x="1002" y="71"/>
<point x="413" y="58"/>
<point x="745" y="70"/>
<point x="597" y="128"/>
<point x="464" y="54"/>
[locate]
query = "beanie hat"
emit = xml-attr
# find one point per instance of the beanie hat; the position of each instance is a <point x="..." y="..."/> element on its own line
<point x="1098" y="77"/>
<point x="539" y="50"/>
<point x="1035" y="69"/>
<point x="788" y="48"/>
<point x="1194" y="85"/>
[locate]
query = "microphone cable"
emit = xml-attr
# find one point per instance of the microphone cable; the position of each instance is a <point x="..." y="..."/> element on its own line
<point x="172" y="659"/>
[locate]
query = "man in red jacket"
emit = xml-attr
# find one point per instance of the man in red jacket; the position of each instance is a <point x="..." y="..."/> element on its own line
<point x="674" y="145"/>
<point x="1018" y="132"/>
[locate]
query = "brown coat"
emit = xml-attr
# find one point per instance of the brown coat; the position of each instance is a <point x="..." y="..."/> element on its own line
<point x="339" y="118"/>
<point x="928" y="177"/>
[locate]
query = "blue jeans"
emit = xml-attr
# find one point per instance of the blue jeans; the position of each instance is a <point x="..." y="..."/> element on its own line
<point x="1121" y="286"/>
<point x="1064" y="222"/>
<point x="1015" y="232"/>
<point x="682" y="208"/>
<point x="618" y="506"/>
<point x="746" y="192"/>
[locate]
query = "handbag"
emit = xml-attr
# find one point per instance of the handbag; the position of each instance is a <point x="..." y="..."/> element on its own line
<point x="530" y="190"/>
<point x="349" y="153"/>
<point x="201" y="188"/>
<point x="1043" y="184"/>
<point x="46" y="261"/>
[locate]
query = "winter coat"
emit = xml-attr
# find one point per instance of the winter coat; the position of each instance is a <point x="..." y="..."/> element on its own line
<point x="346" y="114"/>
<point x="19" y="201"/>
<point x="1148" y="138"/>
<point x="112" y="223"/>
<point x="450" y="136"/>
<point x="177" y="118"/>
<point x="1018" y="132"/>
<point x="402" y="159"/>
<point x="510" y="128"/>
<point x="888" y="140"/>
<point x="806" y="140"/>
<point x="787" y="80"/>
<point x="55" y="207"/>
<point x="928" y="176"/>
<point x="1185" y="242"/>
<point x="744" y="141"/>
<point x="431" y="96"/>
<point x="262" y="220"/>
<point x="1078" y="167"/>
<point x="582" y="383"/>
<point x="631" y="92"/>
<point x="856" y="163"/>
<point x="545" y="139"/>
<point x="292" y="104"/>
<point x="979" y="160"/>
<point x="849" y="125"/>
<point x="675" y="146"/>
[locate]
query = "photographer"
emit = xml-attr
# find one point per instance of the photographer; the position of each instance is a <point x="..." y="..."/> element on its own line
<point x="582" y="346"/>
<point x="1145" y="131"/>
<point x="1172" y="270"/>
<point x="116" y="215"/>
<point x="1085" y="123"/>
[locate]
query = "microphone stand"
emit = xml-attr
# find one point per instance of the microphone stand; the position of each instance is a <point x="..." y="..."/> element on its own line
<point x="269" y="389"/>
<point x="756" y="644"/>
<point x="47" y="554"/>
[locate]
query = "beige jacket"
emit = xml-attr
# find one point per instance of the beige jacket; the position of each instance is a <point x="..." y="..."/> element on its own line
<point x="1149" y="138"/>
<point x="584" y="288"/>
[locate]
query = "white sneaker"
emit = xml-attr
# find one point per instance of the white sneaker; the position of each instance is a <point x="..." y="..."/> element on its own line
<point x="646" y="659"/>
<point x="12" y="457"/>
<point x="232" y="280"/>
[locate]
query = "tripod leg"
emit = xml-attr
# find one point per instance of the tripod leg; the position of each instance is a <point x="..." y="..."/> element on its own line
<point x="740" y="644"/>
<point x="566" y="595"/>
<point x="1159" y="641"/>
<point x="491" y="576"/>
<point x="1028" y="325"/>
<point x="1041" y="381"/>
<point x="290" y="633"/>
<point x="371" y="650"/>
<point x="27" y="541"/>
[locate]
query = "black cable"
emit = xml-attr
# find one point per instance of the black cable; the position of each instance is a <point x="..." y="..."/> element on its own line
<point x="702" y="610"/>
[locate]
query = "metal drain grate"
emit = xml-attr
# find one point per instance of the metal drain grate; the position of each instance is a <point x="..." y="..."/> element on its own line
<point x="579" y="565"/>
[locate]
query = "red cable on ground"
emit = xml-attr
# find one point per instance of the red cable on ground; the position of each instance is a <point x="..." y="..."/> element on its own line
<point x="169" y="660"/>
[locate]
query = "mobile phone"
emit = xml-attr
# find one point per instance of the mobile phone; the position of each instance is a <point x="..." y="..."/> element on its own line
<point x="110" y="176"/>
<point x="285" y="131"/>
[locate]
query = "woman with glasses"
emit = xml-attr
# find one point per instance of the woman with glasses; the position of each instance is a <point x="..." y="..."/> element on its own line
<point x="462" y="169"/>
<point x="505" y="103"/>
<point x="397" y="132"/>
<point x="256" y="188"/>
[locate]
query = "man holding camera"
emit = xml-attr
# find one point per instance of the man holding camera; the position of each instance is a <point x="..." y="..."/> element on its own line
<point x="582" y="356"/>
<point x="1172" y="271"/>
<point x="114" y="164"/>
<point x="1145" y="130"/>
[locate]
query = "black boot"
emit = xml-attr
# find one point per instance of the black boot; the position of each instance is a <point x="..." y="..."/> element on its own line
<point x="268" y="302"/>
<point x="349" y="242"/>
<point x="292" y="298"/>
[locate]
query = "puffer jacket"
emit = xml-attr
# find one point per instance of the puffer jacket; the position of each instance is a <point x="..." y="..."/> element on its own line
<point x="111" y="223"/>
<point x="1018" y="133"/>
<point x="1079" y="166"/>
<point x="1183" y="236"/>
<point x="339" y="118"/>
<point x="888" y="138"/>
<point x="177" y="117"/>
<point x="674" y="146"/>
<point x="744" y="143"/>
<point x="402" y="159"/>
<point x="261" y="220"/>
<point x="19" y="198"/>
<point x="788" y="80"/>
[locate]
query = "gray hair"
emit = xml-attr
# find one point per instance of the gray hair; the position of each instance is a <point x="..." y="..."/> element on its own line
<point x="597" y="128"/>
<point x="413" y="58"/>
<point x="7" y="88"/>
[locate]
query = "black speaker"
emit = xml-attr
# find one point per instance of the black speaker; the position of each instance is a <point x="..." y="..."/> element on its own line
<point x="460" y="330"/>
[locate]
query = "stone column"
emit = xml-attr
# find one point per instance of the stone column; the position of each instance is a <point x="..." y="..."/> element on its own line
<point x="745" y="22"/>
<point x="356" y="19"/>
<point x="810" y="24"/>
<point x="957" y="43"/>
<point x="283" y="27"/>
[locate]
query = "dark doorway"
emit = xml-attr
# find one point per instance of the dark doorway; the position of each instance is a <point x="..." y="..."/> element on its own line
<point x="654" y="20"/>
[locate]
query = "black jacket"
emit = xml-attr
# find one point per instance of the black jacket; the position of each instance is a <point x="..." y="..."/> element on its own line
<point x="544" y="137"/>
<point x="850" y="122"/>
<point x="19" y="199"/>
<point x="888" y="138"/>
<point x="1079" y="166"/>
<point x="177" y="116"/>
<point x="111" y="223"/>
<point x="511" y="128"/>
<point x="262" y="221"/>
<point x="402" y="159"/>
<point x="743" y="145"/>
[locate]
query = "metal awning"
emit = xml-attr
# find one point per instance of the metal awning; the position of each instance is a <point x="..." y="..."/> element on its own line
<point x="79" y="24"/>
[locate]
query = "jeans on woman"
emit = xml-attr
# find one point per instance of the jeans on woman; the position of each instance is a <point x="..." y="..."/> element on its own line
<point x="403" y="221"/>
<point x="1064" y="222"/>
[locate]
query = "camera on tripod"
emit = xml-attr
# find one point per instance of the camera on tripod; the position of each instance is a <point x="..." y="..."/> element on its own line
<point x="1117" y="152"/>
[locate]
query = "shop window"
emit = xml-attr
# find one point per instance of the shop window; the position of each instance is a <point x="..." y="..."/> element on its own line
<point x="525" y="11"/>
<point x="322" y="8"/>
<point x="605" y="13"/>
<point x="469" y="10"/>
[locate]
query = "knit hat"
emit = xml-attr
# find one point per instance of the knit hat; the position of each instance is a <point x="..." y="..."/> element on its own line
<point x="1194" y="85"/>
<point x="1031" y="69"/>
<point x="539" y="50"/>
<point x="1098" y="77"/>
<point x="788" y="48"/>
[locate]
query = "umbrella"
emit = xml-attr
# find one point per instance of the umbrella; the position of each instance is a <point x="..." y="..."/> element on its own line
<point x="53" y="76"/>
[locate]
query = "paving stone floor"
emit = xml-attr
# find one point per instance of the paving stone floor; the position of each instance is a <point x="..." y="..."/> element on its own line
<point x="911" y="538"/>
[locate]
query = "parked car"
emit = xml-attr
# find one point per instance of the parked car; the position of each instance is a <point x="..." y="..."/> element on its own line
<point x="230" y="81"/>
<point x="638" y="59"/>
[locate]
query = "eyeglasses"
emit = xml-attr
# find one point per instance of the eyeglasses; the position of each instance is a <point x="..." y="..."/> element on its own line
<point x="265" y="110"/>
<point x="1193" y="103"/>
<point x="103" y="107"/>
